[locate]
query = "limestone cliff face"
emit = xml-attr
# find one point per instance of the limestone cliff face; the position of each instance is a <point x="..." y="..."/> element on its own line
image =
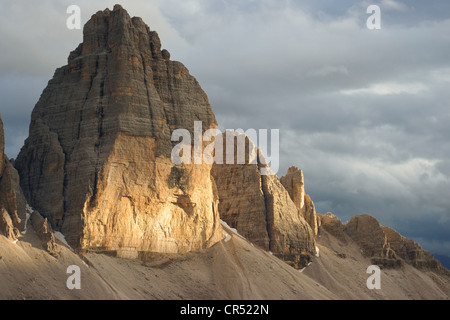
<point x="242" y="203"/>
<point x="12" y="201"/>
<point x="294" y="183"/>
<point x="291" y="237"/>
<point x="2" y="146"/>
<point x="14" y="210"/>
<point x="97" y="162"/>
<point x="260" y="208"/>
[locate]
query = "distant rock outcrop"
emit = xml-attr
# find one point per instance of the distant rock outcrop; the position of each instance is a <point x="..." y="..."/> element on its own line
<point x="410" y="251"/>
<point x="383" y="245"/>
<point x="367" y="232"/>
<point x="260" y="208"/>
<point x="333" y="225"/>
<point x="97" y="162"/>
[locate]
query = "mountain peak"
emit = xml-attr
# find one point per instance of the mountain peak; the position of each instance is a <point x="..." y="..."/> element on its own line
<point x="97" y="162"/>
<point x="107" y="31"/>
<point x="118" y="7"/>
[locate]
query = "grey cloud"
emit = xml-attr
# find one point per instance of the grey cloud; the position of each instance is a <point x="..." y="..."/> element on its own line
<point x="19" y="95"/>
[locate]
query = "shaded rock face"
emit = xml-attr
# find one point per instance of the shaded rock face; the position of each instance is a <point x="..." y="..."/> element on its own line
<point x="45" y="233"/>
<point x="7" y="227"/>
<point x="310" y="214"/>
<point x="366" y="231"/>
<point x="97" y="163"/>
<point x="11" y="196"/>
<point x="411" y="251"/>
<point x="260" y="208"/>
<point x="2" y="146"/>
<point x="291" y="238"/>
<point x="293" y="182"/>
<point x="242" y="203"/>
<point x="12" y="200"/>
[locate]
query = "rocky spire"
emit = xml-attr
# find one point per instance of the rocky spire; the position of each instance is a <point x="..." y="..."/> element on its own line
<point x="294" y="183"/>
<point x="97" y="162"/>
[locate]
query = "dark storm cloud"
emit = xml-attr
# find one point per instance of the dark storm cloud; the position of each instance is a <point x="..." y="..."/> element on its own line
<point x="364" y="113"/>
<point x="18" y="95"/>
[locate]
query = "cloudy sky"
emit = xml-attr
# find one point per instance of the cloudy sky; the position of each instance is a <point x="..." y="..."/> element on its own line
<point x="365" y="113"/>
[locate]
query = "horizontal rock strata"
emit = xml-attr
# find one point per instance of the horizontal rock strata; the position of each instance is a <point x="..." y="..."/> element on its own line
<point x="97" y="162"/>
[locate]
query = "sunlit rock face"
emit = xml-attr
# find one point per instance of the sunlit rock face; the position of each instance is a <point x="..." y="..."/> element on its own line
<point x="97" y="162"/>
<point x="294" y="183"/>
